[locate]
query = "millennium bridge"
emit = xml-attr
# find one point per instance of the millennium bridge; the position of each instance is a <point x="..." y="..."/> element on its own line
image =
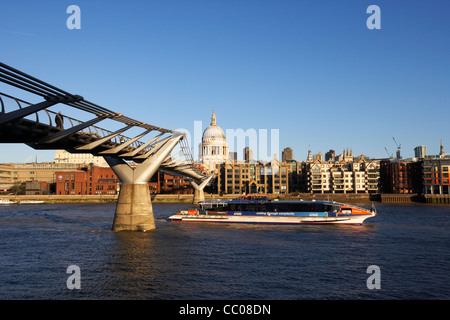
<point x="133" y="159"/>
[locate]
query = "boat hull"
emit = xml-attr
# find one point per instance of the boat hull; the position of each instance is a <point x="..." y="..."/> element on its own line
<point x="250" y="219"/>
<point x="260" y="210"/>
<point x="31" y="202"/>
<point x="6" y="202"/>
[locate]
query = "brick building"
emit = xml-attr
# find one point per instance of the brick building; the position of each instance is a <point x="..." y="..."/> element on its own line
<point x="87" y="180"/>
<point x="11" y="173"/>
<point x="91" y="180"/>
<point x="37" y="187"/>
<point x="401" y="176"/>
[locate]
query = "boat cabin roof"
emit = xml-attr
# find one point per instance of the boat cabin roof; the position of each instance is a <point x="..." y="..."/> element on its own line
<point x="243" y="201"/>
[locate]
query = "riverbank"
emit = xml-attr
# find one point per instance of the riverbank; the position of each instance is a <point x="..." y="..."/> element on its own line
<point x="187" y="198"/>
<point x="184" y="198"/>
<point x="101" y="198"/>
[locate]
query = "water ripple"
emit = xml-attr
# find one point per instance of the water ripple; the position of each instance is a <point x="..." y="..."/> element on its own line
<point x="220" y="261"/>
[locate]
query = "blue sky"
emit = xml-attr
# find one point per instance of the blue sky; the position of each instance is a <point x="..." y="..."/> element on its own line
<point x="311" y="69"/>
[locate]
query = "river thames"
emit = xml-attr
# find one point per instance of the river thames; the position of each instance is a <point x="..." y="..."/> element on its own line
<point x="408" y="243"/>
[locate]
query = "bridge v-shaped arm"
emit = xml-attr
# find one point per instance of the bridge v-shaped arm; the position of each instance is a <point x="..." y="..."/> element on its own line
<point x="62" y="134"/>
<point x="124" y="144"/>
<point x="98" y="142"/>
<point x="142" y="147"/>
<point x="23" y="112"/>
<point x="144" y="171"/>
<point x="200" y="186"/>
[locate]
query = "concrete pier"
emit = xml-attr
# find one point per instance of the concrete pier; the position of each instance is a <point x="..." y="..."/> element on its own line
<point x="199" y="195"/>
<point x="134" y="210"/>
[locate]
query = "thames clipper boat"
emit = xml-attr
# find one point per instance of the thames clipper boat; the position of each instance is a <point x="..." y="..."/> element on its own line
<point x="258" y="209"/>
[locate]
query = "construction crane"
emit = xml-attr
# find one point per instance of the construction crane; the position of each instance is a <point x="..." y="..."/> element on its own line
<point x="399" y="146"/>
<point x="389" y="154"/>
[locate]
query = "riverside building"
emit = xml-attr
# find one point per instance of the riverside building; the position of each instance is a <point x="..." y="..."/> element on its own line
<point x="436" y="175"/>
<point x="272" y="177"/>
<point x="37" y="178"/>
<point x="11" y="173"/>
<point x="96" y="180"/>
<point x="343" y="175"/>
<point x="401" y="176"/>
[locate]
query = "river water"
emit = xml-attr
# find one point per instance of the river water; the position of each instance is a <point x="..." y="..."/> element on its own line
<point x="408" y="243"/>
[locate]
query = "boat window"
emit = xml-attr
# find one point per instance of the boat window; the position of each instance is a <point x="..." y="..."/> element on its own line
<point x="252" y="207"/>
<point x="346" y="211"/>
<point x="220" y="206"/>
<point x="285" y="207"/>
<point x="281" y="207"/>
<point x="316" y="207"/>
<point x="301" y="207"/>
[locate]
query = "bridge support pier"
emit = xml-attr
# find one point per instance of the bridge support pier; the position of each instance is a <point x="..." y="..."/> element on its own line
<point x="134" y="210"/>
<point x="199" y="195"/>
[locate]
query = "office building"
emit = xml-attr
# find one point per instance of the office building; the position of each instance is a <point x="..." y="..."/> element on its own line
<point x="287" y="155"/>
<point x="248" y="154"/>
<point x="420" y="152"/>
<point x="330" y="155"/>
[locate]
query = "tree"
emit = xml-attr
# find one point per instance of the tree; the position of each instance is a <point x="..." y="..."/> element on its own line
<point x="17" y="188"/>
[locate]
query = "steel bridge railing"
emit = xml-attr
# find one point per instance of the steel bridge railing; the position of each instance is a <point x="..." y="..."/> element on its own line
<point x="93" y="131"/>
<point x="49" y="92"/>
<point x="53" y="95"/>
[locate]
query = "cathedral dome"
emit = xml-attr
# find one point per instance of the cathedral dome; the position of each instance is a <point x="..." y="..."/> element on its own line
<point x="213" y="132"/>
<point x="214" y="148"/>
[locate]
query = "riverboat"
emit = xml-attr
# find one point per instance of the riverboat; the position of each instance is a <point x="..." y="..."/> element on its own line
<point x="5" y="201"/>
<point x="31" y="201"/>
<point x="258" y="209"/>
